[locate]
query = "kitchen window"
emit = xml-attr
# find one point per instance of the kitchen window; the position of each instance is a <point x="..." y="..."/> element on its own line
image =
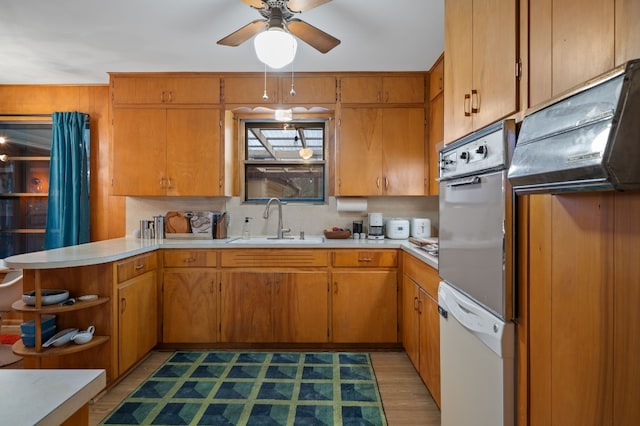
<point x="285" y="161"/>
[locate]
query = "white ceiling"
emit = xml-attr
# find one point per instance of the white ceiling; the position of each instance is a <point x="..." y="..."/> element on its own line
<point x="79" y="41"/>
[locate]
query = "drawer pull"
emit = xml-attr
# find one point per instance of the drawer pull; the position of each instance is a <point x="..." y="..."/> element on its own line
<point x="140" y="266"/>
<point x="190" y="260"/>
<point x="365" y="259"/>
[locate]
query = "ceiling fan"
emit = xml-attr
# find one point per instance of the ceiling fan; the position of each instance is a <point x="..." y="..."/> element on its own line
<point x="280" y="14"/>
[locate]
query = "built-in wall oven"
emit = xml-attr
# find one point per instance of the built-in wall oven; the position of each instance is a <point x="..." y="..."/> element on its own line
<point x="475" y="299"/>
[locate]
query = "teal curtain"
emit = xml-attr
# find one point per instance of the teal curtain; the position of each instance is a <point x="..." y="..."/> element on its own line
<point x="68" y="206"/>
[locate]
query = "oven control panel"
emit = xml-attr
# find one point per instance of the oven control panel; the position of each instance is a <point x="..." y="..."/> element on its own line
<point x="474" y="153"/>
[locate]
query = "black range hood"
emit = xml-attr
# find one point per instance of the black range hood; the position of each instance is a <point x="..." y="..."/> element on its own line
<point x="587" y="139"/>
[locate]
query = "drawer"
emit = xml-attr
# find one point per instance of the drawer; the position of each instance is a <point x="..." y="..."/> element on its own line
<point x="273" y="258"/>
<point x="365" y="258"/>
<point x="137" y="265"/>
<point x="189" y="258"/>
<point x="422" y="274"/>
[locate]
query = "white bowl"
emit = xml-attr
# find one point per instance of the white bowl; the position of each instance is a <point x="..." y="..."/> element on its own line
<point x="49" y="297"/>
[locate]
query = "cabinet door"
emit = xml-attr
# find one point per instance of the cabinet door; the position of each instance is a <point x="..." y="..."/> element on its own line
<point x="138" y="320"/>
<point x="494" y="61"/>
<point x="579" y="55"/>
<point x="246" y="313"/>
<point x="189" y="311"/>
<point x="250" y="90"/>
<point x="403" y="89"/>
<point x="436" y="78"/>
<point x="403" y="136"/>
<point x="359" y="152"/>
<point x="363" y="90"/>
<point x="309" y="90"/>
<point x="410" y="320"/>
<point x="139" y="151"/>
<point x="458" y="68"/>
<point x="436" y="136"/>
<point x="193" y="152"/>
<point x="374" y="318"/>
<point x="627" y="35"/>
<point x="430" y="344"/>
<point x="301" y="307"/>
<point x="165" y="90"/>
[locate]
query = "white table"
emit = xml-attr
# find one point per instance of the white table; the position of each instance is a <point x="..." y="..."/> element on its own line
<point x="46" y="397"/>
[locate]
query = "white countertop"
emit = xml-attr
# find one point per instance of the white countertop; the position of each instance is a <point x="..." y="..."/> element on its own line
<point x="46" y="397"/>
<point x="121" y="248"/>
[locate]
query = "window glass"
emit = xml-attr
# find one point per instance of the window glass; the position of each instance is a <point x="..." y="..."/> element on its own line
<point x="286" y="161"/>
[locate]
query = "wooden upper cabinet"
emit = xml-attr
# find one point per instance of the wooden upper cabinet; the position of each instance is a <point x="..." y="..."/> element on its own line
<point x="388" y="146"/>
<point x="382" y="89"/>
<point x="250" y="90"/>
<point x="165" y="90"/>
<point x="174" y="151"/>
<point x="436" y="78"/>
<point x="308" y="90"/>
<point x="627" y="34"/>
<point x="480" y="65"/>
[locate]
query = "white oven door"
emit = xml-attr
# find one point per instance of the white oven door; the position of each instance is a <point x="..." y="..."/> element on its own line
<point x="472" y="238"/>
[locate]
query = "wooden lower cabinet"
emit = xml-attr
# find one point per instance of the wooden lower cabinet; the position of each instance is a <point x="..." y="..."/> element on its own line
<point x="189" y="308"/>
<point x="274" y="307"/>
<point x="138" y="319"/>
<point x="364" y="306"/>
<point x="421" y="321"/>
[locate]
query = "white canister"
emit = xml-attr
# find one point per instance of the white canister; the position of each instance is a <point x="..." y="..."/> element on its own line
<point x="420" y="227"/>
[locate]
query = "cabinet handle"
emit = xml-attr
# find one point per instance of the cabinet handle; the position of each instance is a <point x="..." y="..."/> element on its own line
<point x="189" y="260"/>
<point x="169" y="184"/>
<point x="170" y="96"/>
<point x="420" y="306"/>
<point x="162" y="97"/>
<point x="162" y="182"/>
<point x="140" y="266"/>
<point x="475" y="104"/>
<point x="365" y="259"/>
<point x="415" y="303"/>
<point x="378" y="182"/>
<point x="335" y="288"/>
<point x="386" y="183"/>
<point x="123" y="304"/>
<point x="467" y="105"/>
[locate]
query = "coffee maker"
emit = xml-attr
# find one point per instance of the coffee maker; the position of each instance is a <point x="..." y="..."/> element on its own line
<point x="375" y="226"/>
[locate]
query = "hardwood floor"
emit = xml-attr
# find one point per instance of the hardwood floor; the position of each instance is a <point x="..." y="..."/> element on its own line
<point x="405" y="399"/>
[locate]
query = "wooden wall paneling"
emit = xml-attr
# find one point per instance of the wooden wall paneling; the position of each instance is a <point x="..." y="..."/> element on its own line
<point x="626" y="331"/>
<point x="581" y="309"/>
<point x="540" y="255"/>
<point x="583" y="41"/>
<point x="627" y="30"/>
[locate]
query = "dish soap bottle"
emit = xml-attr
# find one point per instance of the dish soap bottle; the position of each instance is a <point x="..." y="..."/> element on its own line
<point x="246" y="233"/>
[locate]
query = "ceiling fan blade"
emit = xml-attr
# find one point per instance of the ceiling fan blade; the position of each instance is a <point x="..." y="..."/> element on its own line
<point x="297" y="6"/>
<point x="256" y="4"/>
<point x="238" y="37"/>
<point x="313" y="36"/>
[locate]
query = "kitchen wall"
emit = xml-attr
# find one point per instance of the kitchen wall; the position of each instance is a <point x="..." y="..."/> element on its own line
<point x="311" y="219"/>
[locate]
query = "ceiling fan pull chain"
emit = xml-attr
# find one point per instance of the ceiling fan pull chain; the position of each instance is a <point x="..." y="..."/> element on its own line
<point x="292" y="92"/>
<point x="265" y="96"/>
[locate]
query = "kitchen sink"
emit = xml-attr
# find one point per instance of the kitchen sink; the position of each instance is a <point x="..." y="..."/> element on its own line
<point x="275" y="241"/>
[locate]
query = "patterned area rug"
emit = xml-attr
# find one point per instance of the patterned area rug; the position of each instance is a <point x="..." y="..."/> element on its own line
<point x="256" y="388"/>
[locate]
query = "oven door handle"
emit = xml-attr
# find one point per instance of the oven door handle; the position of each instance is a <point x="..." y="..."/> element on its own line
<point x="469" y="181"/>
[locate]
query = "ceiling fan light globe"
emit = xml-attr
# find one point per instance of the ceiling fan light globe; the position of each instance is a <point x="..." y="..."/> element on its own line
<point x="305" y="153"/>
<point x="276" y="48"/>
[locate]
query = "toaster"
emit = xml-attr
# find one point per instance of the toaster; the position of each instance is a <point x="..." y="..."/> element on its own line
<point x="397" y="229"/>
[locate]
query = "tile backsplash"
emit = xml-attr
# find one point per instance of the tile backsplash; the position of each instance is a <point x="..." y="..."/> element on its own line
<point x="310" y="218"/>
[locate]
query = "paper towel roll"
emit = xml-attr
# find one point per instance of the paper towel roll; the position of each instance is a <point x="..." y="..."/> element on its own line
<point x="351" y="204"/>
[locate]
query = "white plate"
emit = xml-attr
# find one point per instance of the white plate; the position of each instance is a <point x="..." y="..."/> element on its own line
<point x="88" y="297"/>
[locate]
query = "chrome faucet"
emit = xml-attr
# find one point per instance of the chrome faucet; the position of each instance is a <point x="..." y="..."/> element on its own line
<point x="281" y="228"/>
